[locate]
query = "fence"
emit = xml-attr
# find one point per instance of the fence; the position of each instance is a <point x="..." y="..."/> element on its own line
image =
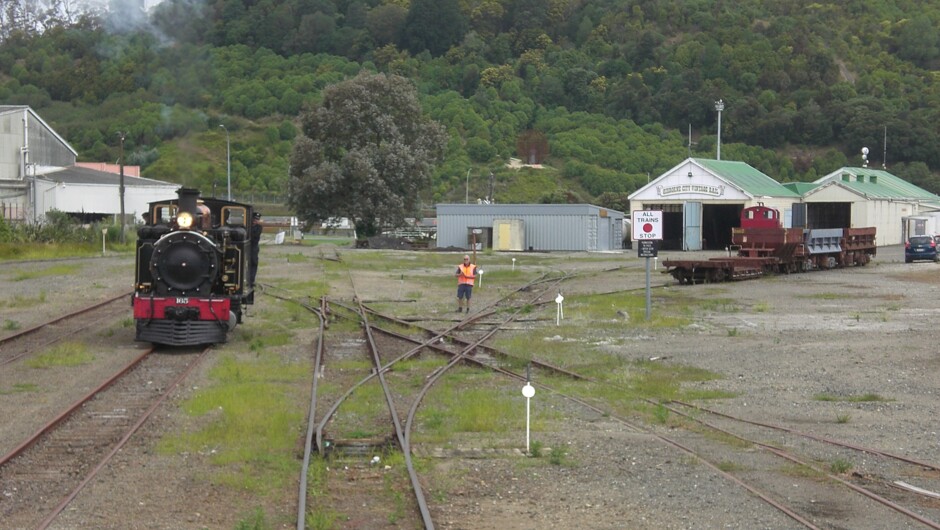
<point x="13" y="211"/>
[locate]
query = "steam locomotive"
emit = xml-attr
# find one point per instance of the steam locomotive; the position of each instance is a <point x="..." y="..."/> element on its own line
<point x="764" y="246"/>
<point x="192" y="276"/>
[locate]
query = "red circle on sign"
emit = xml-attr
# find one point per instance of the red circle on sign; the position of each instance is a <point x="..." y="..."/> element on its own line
<point x="647" y="228"/>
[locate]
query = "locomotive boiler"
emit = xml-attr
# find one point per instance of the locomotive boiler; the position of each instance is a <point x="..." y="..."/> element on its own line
<point x="191" y="284"/>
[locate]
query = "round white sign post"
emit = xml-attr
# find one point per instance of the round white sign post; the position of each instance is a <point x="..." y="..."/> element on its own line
<point x="560" y="312"/>
<point x="528" y="391"/>
<point x="480" y="275"/>
<point x="514" y="264"/>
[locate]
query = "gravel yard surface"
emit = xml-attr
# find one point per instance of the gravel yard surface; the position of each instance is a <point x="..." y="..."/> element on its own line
<point x="792" y="350"/>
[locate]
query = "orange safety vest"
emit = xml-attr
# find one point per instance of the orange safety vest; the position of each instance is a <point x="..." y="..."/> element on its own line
<point x="466" y="273"/>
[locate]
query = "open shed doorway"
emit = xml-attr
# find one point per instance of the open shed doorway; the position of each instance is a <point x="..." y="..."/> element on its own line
<point x="717" y="222"/>
<point x="828" y="214"/>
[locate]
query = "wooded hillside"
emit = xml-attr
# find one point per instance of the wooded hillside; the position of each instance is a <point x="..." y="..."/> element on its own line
<point x="614" y="86"/>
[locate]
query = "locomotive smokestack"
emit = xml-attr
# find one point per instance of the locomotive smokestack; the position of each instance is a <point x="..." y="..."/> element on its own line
<point x="188" y="198"/>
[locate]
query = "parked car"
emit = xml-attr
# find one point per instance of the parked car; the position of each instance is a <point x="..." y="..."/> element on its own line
<point x="920" y="248"/>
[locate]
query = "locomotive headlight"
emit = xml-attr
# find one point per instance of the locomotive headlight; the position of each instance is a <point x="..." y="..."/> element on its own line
<point x="184" y="220"/>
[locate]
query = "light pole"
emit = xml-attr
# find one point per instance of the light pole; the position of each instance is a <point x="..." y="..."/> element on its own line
<point x="719" y="106"/>
<point x="228" y="160"/>
<point x="466" y="199"/>
<point x="121" y="188"/>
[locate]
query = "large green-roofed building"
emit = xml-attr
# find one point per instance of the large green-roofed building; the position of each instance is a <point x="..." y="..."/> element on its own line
<point x="701" y="200"/>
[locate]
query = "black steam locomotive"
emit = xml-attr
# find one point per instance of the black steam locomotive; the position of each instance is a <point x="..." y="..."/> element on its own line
<point x="192" y="274"/>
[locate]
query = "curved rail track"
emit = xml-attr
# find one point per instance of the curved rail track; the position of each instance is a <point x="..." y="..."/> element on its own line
<point x="463" y="342"/>
<point x="316" y="439"/>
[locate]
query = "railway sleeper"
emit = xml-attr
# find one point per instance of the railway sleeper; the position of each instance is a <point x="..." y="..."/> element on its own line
<point x="358" y="446"/>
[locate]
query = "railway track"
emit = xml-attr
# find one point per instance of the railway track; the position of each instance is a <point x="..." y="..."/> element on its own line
<point x="767" y="471"/>
<point x="876" y="475"/>
<point x="878" y="487"/>
<point x="403" y="385"/>
<point x="45" y="472"/>
<point x="36" y="338"/>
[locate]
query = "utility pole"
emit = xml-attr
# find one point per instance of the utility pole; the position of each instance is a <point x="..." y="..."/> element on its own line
<point x="121" y="187"/>
<point x="719" y="106"/>
<point x="228" y="159"/>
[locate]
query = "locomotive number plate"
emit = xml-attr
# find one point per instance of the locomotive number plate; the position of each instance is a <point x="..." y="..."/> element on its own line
<point x="182" y="300"/>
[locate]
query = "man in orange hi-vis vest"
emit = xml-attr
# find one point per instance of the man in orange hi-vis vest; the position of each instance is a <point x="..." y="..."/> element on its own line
<point x="466" y="272"/>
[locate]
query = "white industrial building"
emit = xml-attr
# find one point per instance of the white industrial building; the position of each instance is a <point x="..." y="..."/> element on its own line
<point x="529" y="227"/>
<point x="702" y="199"/>
<point x="873" y="197"/>
<point x="91" y="195"/>
<point x="38" y="173"/>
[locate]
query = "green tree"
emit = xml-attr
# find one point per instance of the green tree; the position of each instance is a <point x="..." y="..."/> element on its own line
<point x="433" y="25"/>
<point x="366" y="152"/>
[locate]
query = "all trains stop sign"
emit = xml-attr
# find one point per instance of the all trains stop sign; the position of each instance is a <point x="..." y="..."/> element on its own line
<point x="647" y="225"/>
<point x="647" y="228"/>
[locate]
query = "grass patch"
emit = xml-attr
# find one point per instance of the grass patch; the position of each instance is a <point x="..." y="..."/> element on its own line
<point x="851" y="399"/>
<point x="468" y="401"/>
<point x="827" y="296"/>
<point x="11" y="325"/>
<point x="256" y="520"/>
<point x="612" y="310"/>
<point x="840" y="465"/>
<point x="730" y="467"/>
<point x="24" y="301"/>
<point x="557" y="456"/>
<point x="250" y="423"/>
<point x="53" y="270"/>
<point x="65" y="354"/>
<point x="535" y="448"/>
<point x="42" y="251"/>
<point x="719" y="305"/>
<point x="319" y="515"/>
<point x="795" y="470"/>
<point x="19" y="388"/>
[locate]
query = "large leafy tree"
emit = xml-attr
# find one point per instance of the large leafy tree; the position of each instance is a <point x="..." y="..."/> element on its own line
<point x="366" y="152"/>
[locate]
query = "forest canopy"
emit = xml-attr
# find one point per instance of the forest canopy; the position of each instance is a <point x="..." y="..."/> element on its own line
<point x="621" y="89"/>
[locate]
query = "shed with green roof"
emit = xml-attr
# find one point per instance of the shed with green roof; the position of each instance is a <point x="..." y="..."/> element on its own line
<point x="701" y="200"/>
<point x="861" y="196"/>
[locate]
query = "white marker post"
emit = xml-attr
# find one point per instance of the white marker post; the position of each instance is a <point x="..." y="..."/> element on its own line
<point x="480" y="274"/>
<point x="104" y="237"/>
<point x="514" y="264"/>
<point x="528" y="391"/>
<point x="560" y="312"/>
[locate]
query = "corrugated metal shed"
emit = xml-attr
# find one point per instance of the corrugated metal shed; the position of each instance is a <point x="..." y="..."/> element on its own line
<point x="577" y="227"/>
<point x="28" y="146"/>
